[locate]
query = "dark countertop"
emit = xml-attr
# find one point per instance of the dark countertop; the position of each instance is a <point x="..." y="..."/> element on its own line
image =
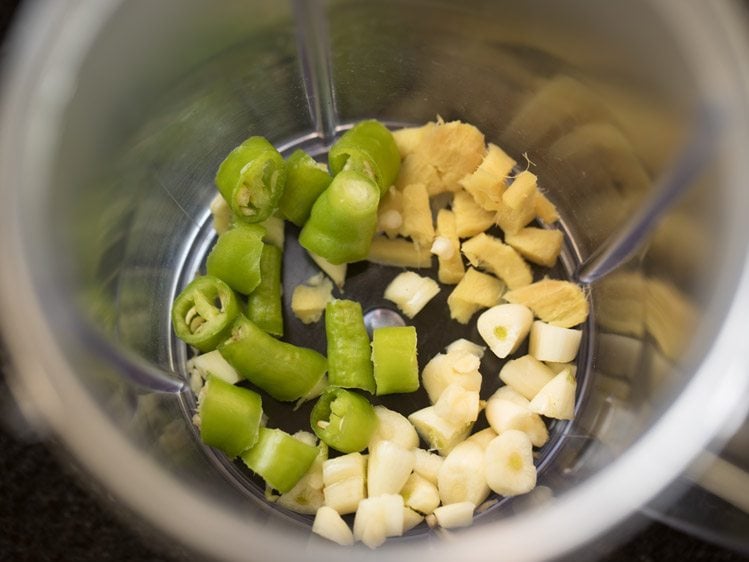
<point x="46" y="513"/>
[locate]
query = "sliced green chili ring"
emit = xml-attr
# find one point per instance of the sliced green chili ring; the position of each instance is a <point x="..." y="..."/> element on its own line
<point x="229" y="416"/>
<point x="344" y="420"/>
<point x="368" y="148"/>
<point x="280" y="459"/>
<point x="204" y="312"/>
<point x="349" y="351"/>
<point x="285" y="371"/>
<point x="394" y="356"/>
<point x="306" y="179"/>
<point x="264" y="305"/>
<point x="343" y="219"/>
<point x="235" y="258"/>
<point x="252" y="179"/>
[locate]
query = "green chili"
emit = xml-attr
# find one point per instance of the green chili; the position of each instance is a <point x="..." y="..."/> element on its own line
<point x="280" y="459"/>
<point x="229" y="416"/>
<point x="204" y="312"/>
<point x="394" y="358"/>
<point x="235" y="258"/>
<point x="264" y="306"/>
<point x="306" y="179"/>
<point x="252" y="179"/>
<point x="344" y="420"/>
<point x="349" y="351"/>
<point x="283" y="370"/>
<point x="343" y="219"/>
<point x="368" y="148"/>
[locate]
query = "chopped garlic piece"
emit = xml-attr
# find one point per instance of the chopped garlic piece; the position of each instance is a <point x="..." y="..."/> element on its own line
<point x="454" y="515"/>
<point x="461" y="476"/>
<point x="388" y="468"/>
<point x="442" y="247"/>
<point x="458" y="405"/>
<point x="411" y="292"/>
<point x="526" y="375"/>
<point x="420" y="494"/>
<point x="444" y="369"/>
<point x="378" y="518"/>
<point x="329" y="524"/>
<point x="504" y="327"/>
<point x="509" y="464"/>
<point x="463" y="344"/>
<point x="557" y="397"/>
<point x="393" y="426"/>
<point x="212" y="363"/>
<point x="553" y="343"/>
<point x="440" y="434"/>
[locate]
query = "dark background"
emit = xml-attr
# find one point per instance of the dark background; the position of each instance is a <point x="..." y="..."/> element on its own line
<point x="46" y="513"/>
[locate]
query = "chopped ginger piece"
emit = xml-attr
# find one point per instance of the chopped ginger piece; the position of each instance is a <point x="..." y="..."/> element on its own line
<point x="416" y="168"/>
<point x="560" y="303"/>
<point x="408" y="140"/>
<point x="519" y="203"/>
<point x="452" y="151"/>
<point x="417" y="215"/>
<point x="390" y="213"/>
<point x="399" y="253"/>
<point x="475" y="291"/>
<point x="487" y="184"/>
<point x="451" y="268"/>
<point x="537" y="245"/>
<point x="309" y="299"/>
<point x="545" y="209"/>
<point x="470" y="218"/>
<point x="489" y="253"/>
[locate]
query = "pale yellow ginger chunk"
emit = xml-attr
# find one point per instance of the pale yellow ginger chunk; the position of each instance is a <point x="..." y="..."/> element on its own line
<point x="545" y="209"/>
<point x="451" y="268"/>
<point x="309" y="299"/>
<point x="399" y="253"/>
<point x="475" y="291"/>
<point x="518" y="203"/>
<point x="470" y="217"/>
<point x="560" y="303"/>
<point x="408" y="139"/>
<point x="491" y="254"/>
<point x="537" y="245"/>
<point x="390" y="213"/>
<point x="417" y="215"/>
<point x="453" y="150"/>
<point x="487" y="184"/>
<point x="416" y="168"/>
